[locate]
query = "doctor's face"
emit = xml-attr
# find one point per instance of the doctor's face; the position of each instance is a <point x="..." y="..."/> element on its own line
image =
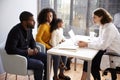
<point x="97" y="19"/>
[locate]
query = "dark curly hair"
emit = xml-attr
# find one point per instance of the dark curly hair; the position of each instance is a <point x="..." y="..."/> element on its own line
<point x="42" y="16"/>
<point x="106" y="17"/>
<point x="55" y="25"/>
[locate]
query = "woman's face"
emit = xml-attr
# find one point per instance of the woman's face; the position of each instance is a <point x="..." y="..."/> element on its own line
<point x="49" y="17"/>
<point x="97" y="19"/>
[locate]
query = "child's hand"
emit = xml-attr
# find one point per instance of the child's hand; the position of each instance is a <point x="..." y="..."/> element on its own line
<point x="63" y="41"/>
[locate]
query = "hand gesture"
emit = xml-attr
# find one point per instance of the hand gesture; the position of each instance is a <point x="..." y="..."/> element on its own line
<point x="82" y="44"/>
<point x="30" y="51"/>
<point x="35" y="50"/>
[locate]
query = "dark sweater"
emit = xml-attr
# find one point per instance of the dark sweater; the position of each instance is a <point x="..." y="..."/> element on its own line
<point x="19" y="40"/>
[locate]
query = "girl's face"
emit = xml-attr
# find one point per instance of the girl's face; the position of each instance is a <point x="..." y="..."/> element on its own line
<point x="49" y="17"/>
<point x="97" y="19"/>
<point x="60" y="24"/>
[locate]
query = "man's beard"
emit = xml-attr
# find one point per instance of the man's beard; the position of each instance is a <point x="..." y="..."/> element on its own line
<point x="30" y="26"/>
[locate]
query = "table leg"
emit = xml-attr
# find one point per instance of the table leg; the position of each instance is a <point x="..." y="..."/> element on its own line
<point x="89" y="70"/>
<point x="48" y="66"/>
<point x="75" y="64"/>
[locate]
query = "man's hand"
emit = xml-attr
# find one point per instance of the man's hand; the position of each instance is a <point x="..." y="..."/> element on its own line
<point x="82" y="44"/>
<point x="35" y="50"/>
<point x="30" y="51"/>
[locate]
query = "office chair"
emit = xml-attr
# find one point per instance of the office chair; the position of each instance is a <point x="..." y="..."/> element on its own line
<point x="16" y="64"/>
<point x="114" y="68"/>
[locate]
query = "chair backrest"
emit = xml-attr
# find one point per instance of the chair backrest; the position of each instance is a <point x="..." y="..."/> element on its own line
<point x="41" y="47"/>
<point x="13" y="64"/>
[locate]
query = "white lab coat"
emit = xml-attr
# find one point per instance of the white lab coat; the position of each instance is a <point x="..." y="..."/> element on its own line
<point x="109" y="39"/>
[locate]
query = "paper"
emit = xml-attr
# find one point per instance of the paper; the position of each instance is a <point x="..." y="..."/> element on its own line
<point x="68" y="47"/>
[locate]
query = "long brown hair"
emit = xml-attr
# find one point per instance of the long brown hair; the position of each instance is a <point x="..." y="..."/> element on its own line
<point x="106" y="17"/>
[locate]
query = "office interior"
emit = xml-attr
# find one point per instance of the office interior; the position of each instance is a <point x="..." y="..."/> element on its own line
<point x="76" y="14"/>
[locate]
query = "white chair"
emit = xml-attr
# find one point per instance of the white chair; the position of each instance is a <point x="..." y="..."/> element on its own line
<point x="16" y="64"/>
<point x="41" y="47"/>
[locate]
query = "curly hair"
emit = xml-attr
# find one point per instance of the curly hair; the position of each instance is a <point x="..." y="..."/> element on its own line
<point x="42" y="16"/>
<point x="106" y="17"/>
<point x="55" y="25"/>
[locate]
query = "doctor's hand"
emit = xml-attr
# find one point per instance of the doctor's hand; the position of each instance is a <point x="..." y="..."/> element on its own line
<point x="82" y="44"/>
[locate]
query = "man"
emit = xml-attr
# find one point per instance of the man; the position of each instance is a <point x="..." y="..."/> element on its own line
<point x="20" y="41"/>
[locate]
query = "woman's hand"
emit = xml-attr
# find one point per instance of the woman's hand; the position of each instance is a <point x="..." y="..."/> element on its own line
<point x="82" y="44"/>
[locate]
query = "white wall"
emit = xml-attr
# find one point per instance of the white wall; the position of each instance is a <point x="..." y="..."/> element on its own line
<point x="9" y="16"/>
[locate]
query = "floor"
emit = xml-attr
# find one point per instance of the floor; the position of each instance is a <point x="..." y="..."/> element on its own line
<point x="75" y="75"/>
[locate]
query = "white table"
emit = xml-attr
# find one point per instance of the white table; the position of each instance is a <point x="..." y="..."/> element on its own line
<point x="81" y="53"/>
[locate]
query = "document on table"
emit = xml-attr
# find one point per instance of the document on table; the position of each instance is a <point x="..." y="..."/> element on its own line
<point x="68" y="47"/>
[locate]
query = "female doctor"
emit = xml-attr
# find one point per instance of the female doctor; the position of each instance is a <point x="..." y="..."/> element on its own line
<point x="108" y="40"/>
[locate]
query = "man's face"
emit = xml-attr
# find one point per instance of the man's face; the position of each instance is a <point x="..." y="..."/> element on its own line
<point x="30" y="23"/>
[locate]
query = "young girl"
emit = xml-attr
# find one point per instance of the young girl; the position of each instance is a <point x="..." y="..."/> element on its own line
<point x="57" y="38"/>
<point x="57" y="33"/>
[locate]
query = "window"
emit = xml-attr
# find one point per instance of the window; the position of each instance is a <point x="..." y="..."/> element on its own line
<point x="77" y="14"/>
<point x="113" y="6"/>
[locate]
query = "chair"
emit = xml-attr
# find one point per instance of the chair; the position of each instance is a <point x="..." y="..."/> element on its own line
<point x="114" y="68"/>
<point x="16" y="64"/>
<point x="41" y="47"/>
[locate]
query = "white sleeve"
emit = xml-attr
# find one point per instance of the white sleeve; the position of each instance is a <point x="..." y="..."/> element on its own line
<point x="54" y="38"/>
<point x="107" y="37"/>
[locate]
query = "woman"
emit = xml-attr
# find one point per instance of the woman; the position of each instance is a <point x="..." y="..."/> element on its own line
<point x="45" y="20"/>
<point x="108" y="40"/>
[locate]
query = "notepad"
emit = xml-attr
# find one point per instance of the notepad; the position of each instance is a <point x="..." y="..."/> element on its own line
<point x="68" y="47"/>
